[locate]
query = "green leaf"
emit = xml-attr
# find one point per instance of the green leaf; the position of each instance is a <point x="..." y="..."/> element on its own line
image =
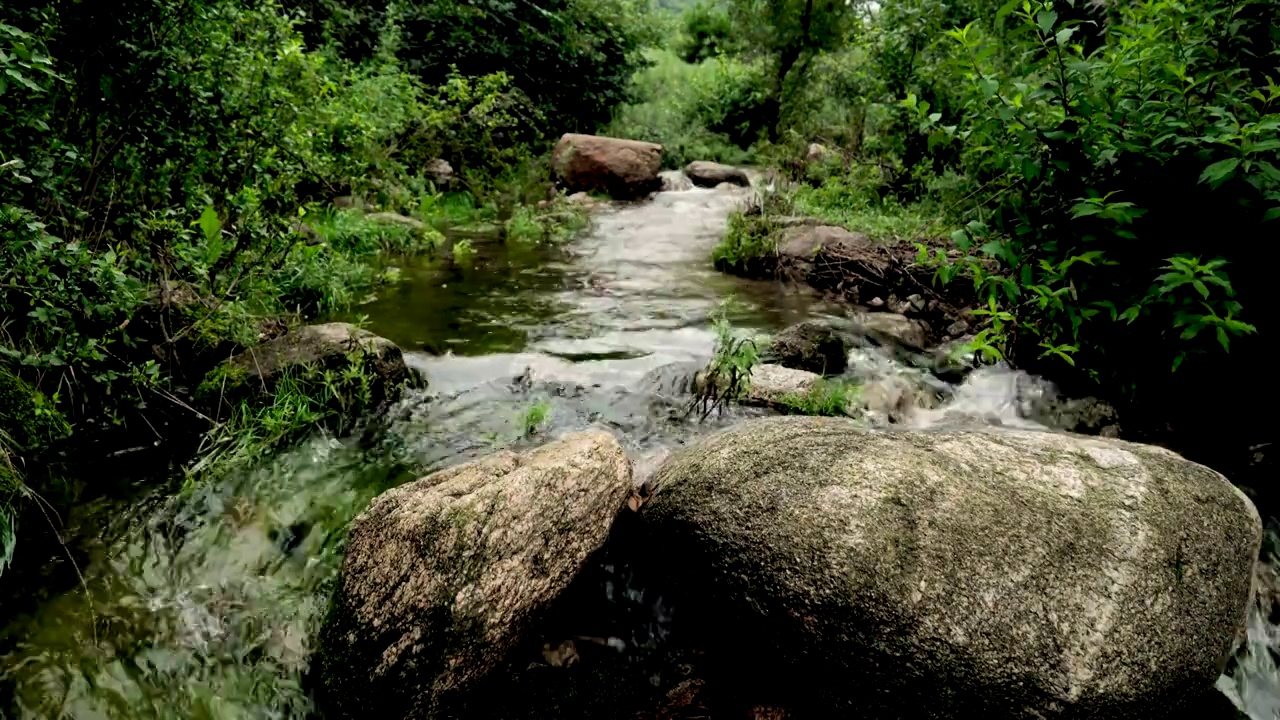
<point x="988" y="87"/>
<point x="1272" y="214"/>
<point x="1200" y="287"/>
<point x="1219" y="172"/>
<point x="1223" y="340"/>
<point x="1045" y="20"/>
<point x="994" y="248"/>
<point x="1178" y="361"/>
<point x="1064" y="35"/>
<point x="210" y="225"/>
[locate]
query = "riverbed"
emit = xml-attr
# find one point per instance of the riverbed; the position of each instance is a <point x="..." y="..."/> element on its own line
<point x="205" y="604"/>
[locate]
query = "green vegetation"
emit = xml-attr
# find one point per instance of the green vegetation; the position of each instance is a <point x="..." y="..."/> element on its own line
<point x="831" y="398"/>
<point x="301" y="400"/>
<point x="728" y="376"/>
<point x="748" y="239"/>
<point x="1107" y="175"/>
<point x="167" y="170"/>
<point x="535" y="417"/>
<point x="703" y="111"/>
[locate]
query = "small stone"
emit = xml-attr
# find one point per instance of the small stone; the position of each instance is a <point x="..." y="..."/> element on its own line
<point x="896" y="327"/>
<point x="876" y="302"/>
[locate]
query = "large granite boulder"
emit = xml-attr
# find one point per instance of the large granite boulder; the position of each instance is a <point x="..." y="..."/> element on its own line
<point x="956" y="574"/>
<point x="444" y="576"/>
<point x="624" y="169"/>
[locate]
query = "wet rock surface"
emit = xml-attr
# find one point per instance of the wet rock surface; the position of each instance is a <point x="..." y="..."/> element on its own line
<point x="812" y="346"/>
<point x="710" y="174"/>
<point x="939" y="586"/>
<point x="312" y="348"/>
<point x="444" y="576"/>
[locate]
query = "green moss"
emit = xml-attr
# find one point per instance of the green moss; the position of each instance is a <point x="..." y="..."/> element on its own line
<point x="26" y="416"/>
<point x="224" y="380"/>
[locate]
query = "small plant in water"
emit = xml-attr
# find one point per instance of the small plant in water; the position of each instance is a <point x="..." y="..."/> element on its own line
<point x="463" y="251"/>
<point x="535" y="417"/>
<point x="728" y="375"/>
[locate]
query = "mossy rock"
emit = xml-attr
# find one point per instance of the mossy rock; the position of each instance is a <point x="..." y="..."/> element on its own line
<point x="309" y="351"/>
<point x="27" y="417"/>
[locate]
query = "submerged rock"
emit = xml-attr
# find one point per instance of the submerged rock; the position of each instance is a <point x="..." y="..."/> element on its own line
<point x="909" y="332"/>
<point x="956" y="574"/>
<point x="625" y="169"/>
<point x="443" y="576"/>
<point x="811" y="346"/>
<point x="311" y="348"/>
<point x="674" y="181"/>
<point x="710" y="174"/>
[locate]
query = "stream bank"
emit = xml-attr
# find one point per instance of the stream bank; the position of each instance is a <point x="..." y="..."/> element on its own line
<point x="208" y="603"/>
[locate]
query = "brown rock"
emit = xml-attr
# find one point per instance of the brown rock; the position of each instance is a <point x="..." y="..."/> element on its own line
<point x="804" y="242"/>
<point x="444" y="576"/>
<point x="625" y="169"/>
<point x="390" y="218"/>
<point x="709" y="174"/>
<point x="440" y="172"/>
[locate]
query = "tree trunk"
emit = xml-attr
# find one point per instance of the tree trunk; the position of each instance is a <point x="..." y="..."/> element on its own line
<point x="786" y="62"/>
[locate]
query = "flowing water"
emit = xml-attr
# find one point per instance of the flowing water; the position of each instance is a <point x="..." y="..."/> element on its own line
<point x="204" y="605"/>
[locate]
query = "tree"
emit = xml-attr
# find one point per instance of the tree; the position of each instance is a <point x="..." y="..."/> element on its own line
<point x="789" y="34"/>
<point x="708" y="32"/>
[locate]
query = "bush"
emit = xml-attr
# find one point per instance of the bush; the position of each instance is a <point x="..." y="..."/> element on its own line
<point x="707" y="33"/>
<point x="1086" y="164"/>
<point x="703" y="111"/>
<point x="572" y="59"/>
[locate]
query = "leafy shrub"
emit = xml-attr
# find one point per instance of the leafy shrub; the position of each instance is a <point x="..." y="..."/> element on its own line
<point x="703" y="111"/>
<point x="707" y="33"/>
<point x="572" y="59"/>
<point x="1085" y="163"/>
<point x="728" y="376"/>
<point x="748" y="245"/>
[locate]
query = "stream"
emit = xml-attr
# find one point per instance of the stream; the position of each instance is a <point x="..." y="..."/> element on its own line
<point x="204" y="604"/>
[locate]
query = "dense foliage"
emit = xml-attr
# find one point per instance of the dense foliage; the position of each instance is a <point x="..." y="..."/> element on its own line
<point x="166" y="168"/>
<point x="1110" y="173"/>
